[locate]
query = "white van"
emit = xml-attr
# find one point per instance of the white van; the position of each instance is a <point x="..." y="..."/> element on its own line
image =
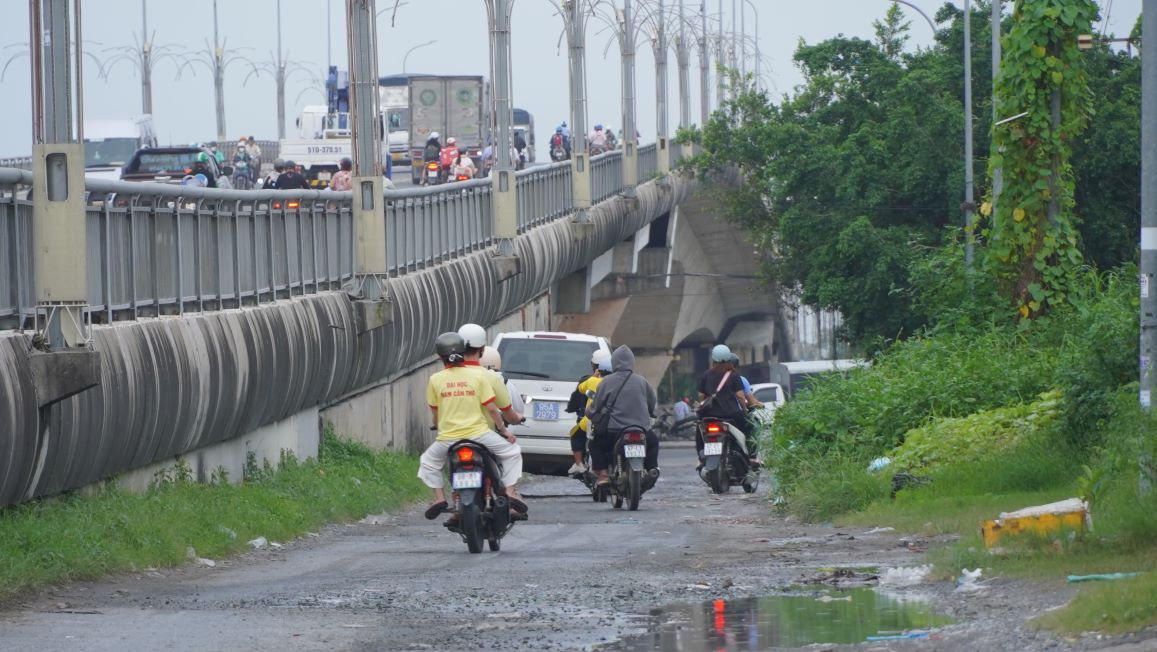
<point x="110" y="144"/>
<point x="545" y="367"/>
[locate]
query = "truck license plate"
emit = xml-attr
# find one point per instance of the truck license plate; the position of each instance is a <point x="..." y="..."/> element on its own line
<point x="546" y="411"/>
<point x="323" y="176"/>
<point x="713" y="448"/>
<point x="467" y="480"/>
<point x="635" y="450"/>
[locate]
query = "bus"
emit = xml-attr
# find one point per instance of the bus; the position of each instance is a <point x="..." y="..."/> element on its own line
<point x="524" y="124"/>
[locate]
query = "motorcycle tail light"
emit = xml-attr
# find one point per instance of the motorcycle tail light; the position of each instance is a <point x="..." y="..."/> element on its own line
<point x="292" y="205"/>
<point x="635" y="437"/>
<point x="714" y="427"/>
<point x="431" y="166"/>
<point x="465" y="455"/>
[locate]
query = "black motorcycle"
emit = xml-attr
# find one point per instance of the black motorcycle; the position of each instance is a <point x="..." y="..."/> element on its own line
<point x="628" y="478"/>
<point x="480" y="503"/>
<point x="726" y="461"/>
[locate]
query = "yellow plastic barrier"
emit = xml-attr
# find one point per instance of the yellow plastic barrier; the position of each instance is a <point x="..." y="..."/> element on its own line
<point x="1042" y="521"/>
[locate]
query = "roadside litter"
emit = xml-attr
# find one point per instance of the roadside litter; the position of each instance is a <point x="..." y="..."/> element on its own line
<point x="969" y="581"/>
<point x="192" y="555"/>
<point x="1101" y="577"/>
<point x="906" y="636"/>
<point x="905" y="575"/>
<point x="258" y="543"/>
<point x="1041" y="520"/>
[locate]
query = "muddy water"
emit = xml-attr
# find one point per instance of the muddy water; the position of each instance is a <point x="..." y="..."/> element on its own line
<point x="794" y="620"/>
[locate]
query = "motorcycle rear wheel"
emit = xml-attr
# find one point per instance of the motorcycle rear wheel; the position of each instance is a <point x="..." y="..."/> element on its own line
<point x="718" y="479"/>
<point x="634" y="489"/>
<point x="471" y="524"/>
<point x="495" y="544"/>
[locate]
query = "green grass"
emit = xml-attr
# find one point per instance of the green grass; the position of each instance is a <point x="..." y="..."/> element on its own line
<point x="77" y="537"/>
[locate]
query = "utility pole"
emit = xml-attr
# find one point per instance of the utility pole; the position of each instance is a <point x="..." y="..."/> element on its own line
<point x="683" y="57"/>
<point x="576" y="21"/>
<point x="630" y="141"/>
<point x="662" y="146"/>
<point x="742" y="38"/>
<point x="504" y="195"/>
<point x="704" y="68"/>
<point x="146" y="63"/>
<point x="969" y="197"/>
<point x="720" y="62"/>
<point x="218" y="57"/>
<point x="734" y="51"/>
<point x="1148" y="215"/>
<point x="368" y="286"/>
<point x="997" y="173"/>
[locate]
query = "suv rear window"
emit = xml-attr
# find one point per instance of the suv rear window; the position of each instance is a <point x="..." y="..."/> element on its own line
<point x="767" y="395"/>
<point x="544" y="359"/>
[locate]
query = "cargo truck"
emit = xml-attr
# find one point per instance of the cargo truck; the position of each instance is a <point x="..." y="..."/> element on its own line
<point x="454" y="107"/>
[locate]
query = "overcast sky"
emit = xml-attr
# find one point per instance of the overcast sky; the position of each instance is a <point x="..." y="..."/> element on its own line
<point x="184" y="109"/>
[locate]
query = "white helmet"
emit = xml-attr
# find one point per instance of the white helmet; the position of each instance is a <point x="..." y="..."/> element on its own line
<point x="434" y="135"/>
<point x="491" y="358"/>
<point x="605" y="365"/>
<point x="474" y="335"/>
<point x="599" y="355"/>
<point x="451" y="141"/>
<point x="721" y="353"/>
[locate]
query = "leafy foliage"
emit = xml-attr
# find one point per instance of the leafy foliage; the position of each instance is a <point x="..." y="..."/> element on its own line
<point x="977" y="437"/>
<point x="1032" y="236"/>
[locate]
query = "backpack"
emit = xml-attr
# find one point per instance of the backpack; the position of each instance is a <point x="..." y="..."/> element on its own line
<point x="578" y="401"/>
<point x="556" y="140"/>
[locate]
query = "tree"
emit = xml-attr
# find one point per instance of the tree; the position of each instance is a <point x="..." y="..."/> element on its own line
<point x="892" y="33"/>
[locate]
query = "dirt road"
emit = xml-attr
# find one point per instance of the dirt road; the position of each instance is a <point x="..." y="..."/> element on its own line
<point x="688" y="571"/>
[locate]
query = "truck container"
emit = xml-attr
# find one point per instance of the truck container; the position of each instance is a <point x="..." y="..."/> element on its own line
<point x="454" y="107"/>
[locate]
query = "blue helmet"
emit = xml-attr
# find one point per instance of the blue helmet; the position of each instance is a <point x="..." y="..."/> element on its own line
<point x="721" y="353"/>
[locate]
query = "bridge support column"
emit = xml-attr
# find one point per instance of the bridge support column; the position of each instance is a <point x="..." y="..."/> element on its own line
<point x="580" y="175"/>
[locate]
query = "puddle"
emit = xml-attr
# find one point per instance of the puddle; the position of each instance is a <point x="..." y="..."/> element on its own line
<point x="832" y="617"/>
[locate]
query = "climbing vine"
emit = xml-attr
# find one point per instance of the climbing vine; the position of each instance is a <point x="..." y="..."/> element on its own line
<point x="1033" y="256"/>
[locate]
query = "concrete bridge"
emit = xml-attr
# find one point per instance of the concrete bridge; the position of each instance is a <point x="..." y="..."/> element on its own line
<point x="225" y="326"/>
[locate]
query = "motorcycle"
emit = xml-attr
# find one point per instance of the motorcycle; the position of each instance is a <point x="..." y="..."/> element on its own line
<point x="726" y="461"/>
<point x="479" y="497"/>
<point x="241" y="179"/>
<point x="628" y="478"/>
<point x="431" y="173"/>
<point x="557" y="153"/>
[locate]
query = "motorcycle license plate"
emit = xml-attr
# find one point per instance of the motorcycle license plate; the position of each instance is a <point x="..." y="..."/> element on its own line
<point x="467" y="480"/>
<point x="713" y="448"/>
<point x="634" y="450"/>
<point x="546" y="411"/>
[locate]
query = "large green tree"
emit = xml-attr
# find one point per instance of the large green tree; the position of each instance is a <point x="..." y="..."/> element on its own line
<point x="856" y="176"/>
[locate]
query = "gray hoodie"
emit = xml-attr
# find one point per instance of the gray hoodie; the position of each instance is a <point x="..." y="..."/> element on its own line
<point x="634" y="405"/>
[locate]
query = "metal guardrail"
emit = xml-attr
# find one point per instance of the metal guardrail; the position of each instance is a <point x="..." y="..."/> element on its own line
<point x="19" y="162"/>
<point x="606" y="175"/>
<point x="545" y="193"/>
<point x="158" y="249"/>
<point x="648" y="162"/>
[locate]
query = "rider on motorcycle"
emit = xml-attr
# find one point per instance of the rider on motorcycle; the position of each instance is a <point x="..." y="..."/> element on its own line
<point x="475" y="338"/>
<point x="463" y="166"/>
<point x="449" y="153"/>
<point x="752" y="402"/>
<point x="598" y="140"/>
<point x="624" y="399"/>
<point x="721" y="395"/>
<point x="560" y="143"/>
<point x="584" y="397"/>
<point x="457" y="397"/>
<point x="433" y="148"/>
<point x="491" y="359"/>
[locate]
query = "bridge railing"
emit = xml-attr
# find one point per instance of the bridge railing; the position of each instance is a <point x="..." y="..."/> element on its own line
<point x="426" y="226"/>
<point x="20" y="162"/>
<point x="648" y="162"/>
<point x="606" y="175"/>
<point x="545" y="193"/>
<point x="167" y="249"/>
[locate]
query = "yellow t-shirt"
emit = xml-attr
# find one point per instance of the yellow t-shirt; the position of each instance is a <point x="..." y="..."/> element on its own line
<point x="501" y="394"/>
<point x="587" y="387"/>
<point x="459" y="394"/>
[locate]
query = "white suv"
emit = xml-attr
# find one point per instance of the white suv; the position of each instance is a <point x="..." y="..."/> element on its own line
<point x="545" y="368"/>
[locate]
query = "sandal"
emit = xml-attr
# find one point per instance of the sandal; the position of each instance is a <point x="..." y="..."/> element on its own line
<point x="433" y="511"/>
<point x="517" y="505"/>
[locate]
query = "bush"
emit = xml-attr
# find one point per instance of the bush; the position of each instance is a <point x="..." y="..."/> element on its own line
<point x="977" y="437"/>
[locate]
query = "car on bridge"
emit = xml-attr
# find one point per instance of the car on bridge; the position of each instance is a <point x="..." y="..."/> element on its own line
<point x="171" y="165"/>
<point x="546" y="367"/>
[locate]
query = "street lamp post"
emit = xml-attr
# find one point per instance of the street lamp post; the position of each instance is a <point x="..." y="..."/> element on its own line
<point x="407" y="55"/>
<point x="1148" y="217"/>
<point x="757" y="55"/>
<point x="704" y="68"/>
